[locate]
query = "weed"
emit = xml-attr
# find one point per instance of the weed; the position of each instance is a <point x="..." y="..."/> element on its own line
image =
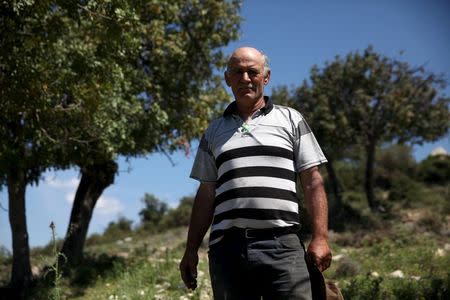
<point x="54" y="268"/>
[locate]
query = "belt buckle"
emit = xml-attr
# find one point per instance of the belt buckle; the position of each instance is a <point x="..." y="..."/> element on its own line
<point x="250" y="233"/>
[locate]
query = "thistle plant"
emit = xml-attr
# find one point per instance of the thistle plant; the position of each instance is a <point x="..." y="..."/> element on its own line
<point x="55" y="268"/>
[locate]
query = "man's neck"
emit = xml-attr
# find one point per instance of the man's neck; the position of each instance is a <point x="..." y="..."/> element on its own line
<point x="246" y="112"/>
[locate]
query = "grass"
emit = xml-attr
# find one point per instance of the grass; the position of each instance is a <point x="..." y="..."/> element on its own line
<point x="145" y="266"/>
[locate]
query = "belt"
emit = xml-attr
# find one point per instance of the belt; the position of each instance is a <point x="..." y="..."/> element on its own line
<point x="262" y="234"/>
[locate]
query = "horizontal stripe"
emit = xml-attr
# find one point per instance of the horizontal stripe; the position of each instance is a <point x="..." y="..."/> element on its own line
<point x="256" y="192"/>
<point x="256" y="182"/>
<point x="254" y="151"/>
<point x="255" y="161"/>
<point x="259" y="136"/>
<point x="220" y="228"/>
<point x="256" y="171"/>
<point x="262" y="203"/>
<point x="257" y="214"/>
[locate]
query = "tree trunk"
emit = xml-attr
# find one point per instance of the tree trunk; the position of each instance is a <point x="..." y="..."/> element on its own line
<point x="94" y="180"/>
<point x="335" y="183"/>
<point x="21" y="270"/>
<point x="370" y="179"/>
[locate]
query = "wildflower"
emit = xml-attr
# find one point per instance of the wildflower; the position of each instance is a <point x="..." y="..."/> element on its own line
<point x="439" y="252"/>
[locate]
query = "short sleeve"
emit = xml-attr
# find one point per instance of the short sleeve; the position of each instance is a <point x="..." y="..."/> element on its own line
<point x="204" y="168"/>
<point x="307" y="152"/>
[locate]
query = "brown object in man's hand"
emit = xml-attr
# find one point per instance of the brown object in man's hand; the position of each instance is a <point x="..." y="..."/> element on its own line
<point x="321" y="289"/>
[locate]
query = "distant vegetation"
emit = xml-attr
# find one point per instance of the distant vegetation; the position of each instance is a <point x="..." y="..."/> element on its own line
<point x="403" y="253"/>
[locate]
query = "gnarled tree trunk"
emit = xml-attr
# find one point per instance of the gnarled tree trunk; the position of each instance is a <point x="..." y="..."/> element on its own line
<point x="370" y="178"/>
<point x="94" y="180"/>
<point x="21" y="270"/>
<point x="336" y="185"/>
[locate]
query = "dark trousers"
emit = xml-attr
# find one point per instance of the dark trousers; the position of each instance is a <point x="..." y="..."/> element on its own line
<point x="254" y="268"/>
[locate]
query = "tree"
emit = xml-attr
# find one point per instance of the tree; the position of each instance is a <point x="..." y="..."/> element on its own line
<point x="82" y="82"/>
<point x="374" y="99"/>
<point x="393" y="161"/>
<point x="180" y="48"/>
<point x="325" y="123"/>
<point x="153" y="211"/>
<point x="179" y="216"/>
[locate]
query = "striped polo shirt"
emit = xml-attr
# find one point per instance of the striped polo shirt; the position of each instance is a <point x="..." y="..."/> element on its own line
<point x="254" y="165"/>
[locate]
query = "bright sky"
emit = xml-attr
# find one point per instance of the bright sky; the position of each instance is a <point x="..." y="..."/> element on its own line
<point x="295" y="35"/>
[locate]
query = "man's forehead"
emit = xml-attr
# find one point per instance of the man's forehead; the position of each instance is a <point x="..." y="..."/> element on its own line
<point x="247" y="58"/>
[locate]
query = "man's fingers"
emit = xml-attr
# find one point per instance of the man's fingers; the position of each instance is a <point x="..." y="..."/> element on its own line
<point x="188" y="275"/>
<point x="322" y="263"/>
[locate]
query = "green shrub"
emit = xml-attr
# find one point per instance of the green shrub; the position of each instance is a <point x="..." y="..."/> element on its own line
<point x="363" y="288"/>
<point x="435" y="170"/>
<point x="179" y="216"/>
<point x="405" y="189"/>
<point x="153" y="211"/>
<point x="118" y="229"/>
<point x="347" y="267"/>
<point x="5" y="255"/>
<point x="431" y="221"/>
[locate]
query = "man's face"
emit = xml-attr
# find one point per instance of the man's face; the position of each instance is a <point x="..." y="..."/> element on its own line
<point x="245" y="75"/>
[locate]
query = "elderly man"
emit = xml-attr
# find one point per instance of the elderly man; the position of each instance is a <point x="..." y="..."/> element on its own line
<point x="247" y="163"/>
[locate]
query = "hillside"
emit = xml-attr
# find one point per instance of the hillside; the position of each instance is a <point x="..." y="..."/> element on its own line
<point x="405" y="256"/>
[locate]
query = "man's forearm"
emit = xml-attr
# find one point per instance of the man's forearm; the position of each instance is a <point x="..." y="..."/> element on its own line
<point x="201" y="216"/>
<point x="316" y="203"/>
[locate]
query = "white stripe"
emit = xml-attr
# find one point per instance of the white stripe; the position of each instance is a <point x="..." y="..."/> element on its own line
<point x="256" y="161"/>
<point x="215" y="241"/>
<point x="260" y="203"/>
<point x="249" y="141"/>
<point x="250" y="223"/>
<point x="257" y="181"/>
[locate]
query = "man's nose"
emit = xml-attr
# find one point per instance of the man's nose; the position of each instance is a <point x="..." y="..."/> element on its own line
<point x="245" y="76"/>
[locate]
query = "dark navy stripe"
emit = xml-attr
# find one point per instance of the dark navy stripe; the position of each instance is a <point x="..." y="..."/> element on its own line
<point x="256" y="171"/>
<point x="257" y="214"/>
<point x="253" y="151"/>
<point x="256" y="192"/>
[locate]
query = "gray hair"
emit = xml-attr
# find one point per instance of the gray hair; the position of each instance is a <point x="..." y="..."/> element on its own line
<point x="266" y="62"/>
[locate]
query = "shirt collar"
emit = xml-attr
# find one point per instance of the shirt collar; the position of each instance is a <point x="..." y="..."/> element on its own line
<point x="232" y="108"/>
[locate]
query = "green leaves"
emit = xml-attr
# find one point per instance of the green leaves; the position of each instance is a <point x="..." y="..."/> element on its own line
<point x="72" y="72"/>
<point x="368" y="99"/>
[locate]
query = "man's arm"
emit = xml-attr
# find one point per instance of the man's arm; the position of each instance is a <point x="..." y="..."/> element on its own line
<point x="317" y="207"/>
<point x="201" y="218"/>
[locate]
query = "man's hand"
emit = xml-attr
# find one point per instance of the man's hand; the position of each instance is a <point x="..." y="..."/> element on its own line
<point x="188" y="269"/>
<point x="320" y="253"/>
<point x="201" y="218"/>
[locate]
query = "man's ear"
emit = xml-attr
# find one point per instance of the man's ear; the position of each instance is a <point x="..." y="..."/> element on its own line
<point x="267" y="78"/>
<point x="227" y="80"/>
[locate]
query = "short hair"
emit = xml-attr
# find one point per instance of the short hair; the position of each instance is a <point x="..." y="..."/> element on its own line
<point x="265" y="58"/>
<point x="266" y="64"/>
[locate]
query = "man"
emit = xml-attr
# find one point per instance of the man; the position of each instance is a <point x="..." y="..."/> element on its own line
<point x="248" y="162"/>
